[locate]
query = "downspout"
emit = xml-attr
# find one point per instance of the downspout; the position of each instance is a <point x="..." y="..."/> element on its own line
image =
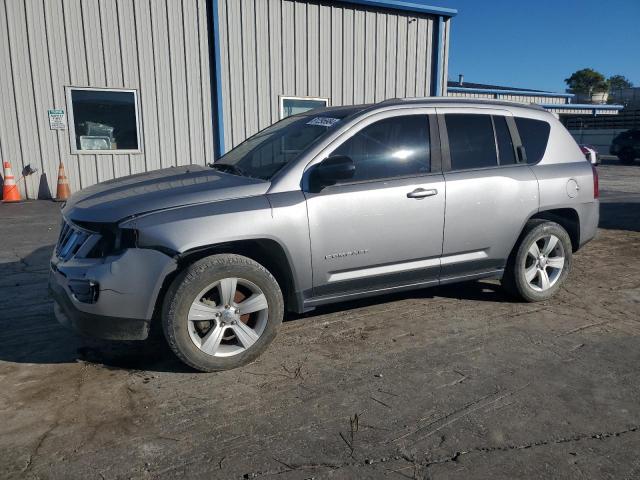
<point x="217" y="83"/>
<point x="438" y="68"/>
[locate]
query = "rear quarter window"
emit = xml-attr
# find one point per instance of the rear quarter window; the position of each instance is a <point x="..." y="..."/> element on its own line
<point x="534" y="135"/>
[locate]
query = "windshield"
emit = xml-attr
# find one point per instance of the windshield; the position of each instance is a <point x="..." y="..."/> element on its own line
<point x="264" y="154"/>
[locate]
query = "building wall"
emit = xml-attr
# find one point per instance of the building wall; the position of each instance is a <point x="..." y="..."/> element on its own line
<point x="159" y="47"/>
<point x="346" y="53"/>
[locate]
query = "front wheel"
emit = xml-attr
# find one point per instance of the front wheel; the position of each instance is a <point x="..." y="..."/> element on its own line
<point x="540" y="261"/>
<point x="222" y="312"/>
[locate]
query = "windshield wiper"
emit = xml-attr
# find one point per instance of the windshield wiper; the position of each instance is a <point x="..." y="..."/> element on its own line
<point x="228" y="168"/>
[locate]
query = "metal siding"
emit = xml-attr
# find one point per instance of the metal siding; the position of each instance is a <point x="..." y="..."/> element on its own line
<point x="60" y="75"/>
<point x="324" y="53"/>
<point x="166" y="123"/>
<point x="275" y="54"/>
<point x="178" y="79"/>
<point x="336" y="47"/>
<point x="313" y="47"/>
<point x="198" y="131"/>
<point x="381" y="56"/>
<point x="204" y="55"/>
<point x="10" y="147"/>
<point x="148" y="85"/>
<point x="370" y="36"/>
<point x="158" y="47"/>
<point x="359" y="56"/>
<point x="347" y="53"/>
<point x="262" y="65"/>
<point x="248" y="40"/>
<point x="42" y="93"/>
<point x="346" y="61"/>
<point x="401" y="59"/>
<point x="392" y="56"/>
<point x="288" y="50"/>
<point x="445" y="47"/>
<point x="422" y="72"/>
<point x="22" y="81"/>
<point x="301" y="61"/>
<point x="412" y="51"/>
<point x="225" y="74"/>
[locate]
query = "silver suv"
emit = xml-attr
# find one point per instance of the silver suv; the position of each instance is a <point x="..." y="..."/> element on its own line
<point x="322" y="207"/>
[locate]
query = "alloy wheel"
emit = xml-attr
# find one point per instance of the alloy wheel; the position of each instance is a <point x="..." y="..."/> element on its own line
<point x="544" y="262"/>
<point x="228" y="317"/>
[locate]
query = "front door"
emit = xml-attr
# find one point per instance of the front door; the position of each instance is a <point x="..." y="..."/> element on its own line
<point x="384" y="227"/>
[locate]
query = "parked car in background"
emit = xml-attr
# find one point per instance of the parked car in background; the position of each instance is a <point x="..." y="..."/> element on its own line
<point x="326" y="206"/>
<point x="591" y="154"/>
<point x="626" y="146"/>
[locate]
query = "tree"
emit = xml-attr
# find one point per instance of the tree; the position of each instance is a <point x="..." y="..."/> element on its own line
<point x="618" y="82"/>
<point x="587" y="81"/>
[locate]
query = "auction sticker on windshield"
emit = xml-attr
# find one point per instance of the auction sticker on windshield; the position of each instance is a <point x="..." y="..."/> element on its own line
<point x="323" y="121"/>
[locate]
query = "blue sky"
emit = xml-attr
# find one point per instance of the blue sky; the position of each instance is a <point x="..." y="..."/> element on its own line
<point x="538" y="43"/>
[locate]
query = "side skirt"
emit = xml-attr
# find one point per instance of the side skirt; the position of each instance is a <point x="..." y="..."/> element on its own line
<point x="312" y="302"/>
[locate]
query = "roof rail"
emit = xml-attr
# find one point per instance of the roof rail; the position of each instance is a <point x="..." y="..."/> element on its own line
<point x="390" y="100"/>
<point x="456" y="100"/>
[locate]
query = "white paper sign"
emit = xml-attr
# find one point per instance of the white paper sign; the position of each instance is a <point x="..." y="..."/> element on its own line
<point x="323" y="121"/>
<point x="57" y="119"/>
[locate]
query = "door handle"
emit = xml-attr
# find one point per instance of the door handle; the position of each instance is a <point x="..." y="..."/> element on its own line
<point x="422" y="193"/>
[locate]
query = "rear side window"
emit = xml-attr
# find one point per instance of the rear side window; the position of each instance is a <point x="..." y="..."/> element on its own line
<point x="503" y="140"/>
<point x="471" y="141"/>
<point x="534" y="135"/>
<point x="393" y="147"/>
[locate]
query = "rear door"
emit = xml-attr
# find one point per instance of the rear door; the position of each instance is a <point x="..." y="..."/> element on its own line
<point x="489" y="193"/>
<point x="383" y="228"/>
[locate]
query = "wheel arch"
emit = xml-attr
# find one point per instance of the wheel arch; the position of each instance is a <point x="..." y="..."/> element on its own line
<point x="567" y="218"/>
<point x="266" y="251"/>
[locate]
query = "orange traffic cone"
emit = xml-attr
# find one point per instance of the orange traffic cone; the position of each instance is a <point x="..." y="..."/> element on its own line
<point x="10" y="191"/>
<point x="63" y="192"/>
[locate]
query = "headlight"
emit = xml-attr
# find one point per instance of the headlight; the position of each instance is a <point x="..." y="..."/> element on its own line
<point x="113" y="239"/>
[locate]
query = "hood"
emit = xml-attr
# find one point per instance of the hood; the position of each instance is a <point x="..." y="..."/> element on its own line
<point x="117" y="199"/>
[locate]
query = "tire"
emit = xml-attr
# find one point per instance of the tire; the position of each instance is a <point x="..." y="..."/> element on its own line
<point x="219" y="335"/>
<point x="517" y="278"/>
<point x="627" y="157"/>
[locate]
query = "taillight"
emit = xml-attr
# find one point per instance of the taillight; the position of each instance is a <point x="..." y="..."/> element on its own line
<point x="596" y="185"/>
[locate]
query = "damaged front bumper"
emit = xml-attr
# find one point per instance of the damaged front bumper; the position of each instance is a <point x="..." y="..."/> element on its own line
<point x="111" y="298"/>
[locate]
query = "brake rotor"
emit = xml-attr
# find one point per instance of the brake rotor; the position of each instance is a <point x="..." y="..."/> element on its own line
<point x="204" y="326"/>
<point x="238" y="298"/>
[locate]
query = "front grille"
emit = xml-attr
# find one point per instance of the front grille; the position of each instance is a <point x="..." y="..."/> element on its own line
<point x="71" y="240"/>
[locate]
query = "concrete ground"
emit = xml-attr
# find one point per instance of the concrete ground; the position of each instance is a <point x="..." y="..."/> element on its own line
<point x="457" y="382"/>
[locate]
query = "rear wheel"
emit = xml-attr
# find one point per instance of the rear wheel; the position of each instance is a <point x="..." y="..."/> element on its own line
<point x="222" y="312"/>
<point x="540" y="261"/>
<point x="627" y="157"/>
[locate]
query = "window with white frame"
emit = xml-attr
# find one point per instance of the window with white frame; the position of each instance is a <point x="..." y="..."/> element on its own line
<point x="293" y="105"/>
<point x="103" y="119"/>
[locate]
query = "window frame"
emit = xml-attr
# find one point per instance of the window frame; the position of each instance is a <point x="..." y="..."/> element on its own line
<point x="72" y="125"/>
<point x="282" y="98"/>
<point x="374" y="117"/>
<point x="444" y="137"/>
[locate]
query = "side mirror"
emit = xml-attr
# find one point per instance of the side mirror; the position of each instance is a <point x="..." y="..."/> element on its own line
<point x="331" y="170"/>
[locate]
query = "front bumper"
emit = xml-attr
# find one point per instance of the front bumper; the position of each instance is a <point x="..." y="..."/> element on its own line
<point x="127" y="289"/>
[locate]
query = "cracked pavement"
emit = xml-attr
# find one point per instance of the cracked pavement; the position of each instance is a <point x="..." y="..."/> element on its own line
<point x="450" y="382"/>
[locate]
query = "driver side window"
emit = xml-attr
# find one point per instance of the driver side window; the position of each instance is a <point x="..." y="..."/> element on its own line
<point x="393" y="147"/>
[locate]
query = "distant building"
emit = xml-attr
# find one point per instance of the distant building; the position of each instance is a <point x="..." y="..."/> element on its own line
<point x="559" y="103"/>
